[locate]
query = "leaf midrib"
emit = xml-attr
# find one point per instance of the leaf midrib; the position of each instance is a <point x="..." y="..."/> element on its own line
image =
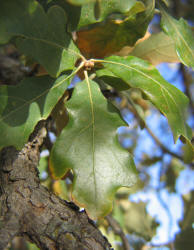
<point x="93" y="134"/>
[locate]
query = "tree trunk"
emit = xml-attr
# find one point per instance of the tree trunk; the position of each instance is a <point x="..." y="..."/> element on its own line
<point x="28" y="209"/>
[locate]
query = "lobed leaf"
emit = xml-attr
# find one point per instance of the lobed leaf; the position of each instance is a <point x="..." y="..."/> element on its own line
<point x="95" y="12"/>
<point x="168" y="99"/>
<point x="89" y="146"/>
<point x="182" y="35"/>
<point x="22" y="106"/>
<point x="38" y="34"/>
<point x="111" y="36"/>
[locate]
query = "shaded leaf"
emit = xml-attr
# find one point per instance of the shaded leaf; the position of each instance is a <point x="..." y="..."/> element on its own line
<point x="188" y="152"/>
<point x="156" y="49"/>
<point x="38" y="34"/>
<point x="108" y="77"/>
<point x="138" y="221"/>
<point x="96" y="11"/>
<point x="22" y="106"/>
<point x="89" y="146"/>
<point x="111" y="36"/>
<point x="168" y="99"/>
<point x="182" y="35"/>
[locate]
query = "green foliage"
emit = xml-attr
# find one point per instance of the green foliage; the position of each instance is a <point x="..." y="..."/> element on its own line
<point x="182" y="35"/>
<point x="89" y="145"/>
<point x="38" y="34"/>
<point x="22" y="106"/>
<point x="169" y="100"/>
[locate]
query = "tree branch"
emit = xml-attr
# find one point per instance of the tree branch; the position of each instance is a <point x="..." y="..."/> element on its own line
<point x="118" y="231"/>
<point x="30" y="210"/>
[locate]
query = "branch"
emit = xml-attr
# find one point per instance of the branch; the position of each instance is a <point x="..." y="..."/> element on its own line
<point x="118" y="231"/>
<point x="30" y="210"/>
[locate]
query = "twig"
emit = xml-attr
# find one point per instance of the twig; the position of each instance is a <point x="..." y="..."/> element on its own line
<point x="159" y="143"/>
<point x="118" y="231"/>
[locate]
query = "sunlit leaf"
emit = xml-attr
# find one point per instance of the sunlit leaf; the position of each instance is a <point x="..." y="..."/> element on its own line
<point x="38" y="34"/>
<point x="182" y="35"/>
<point x="111" y="36"/>
<point x="168" y="99"/>
<point x="156" y="49"/>
<point x="22" y="106"/>
<point x="89" y="145"/>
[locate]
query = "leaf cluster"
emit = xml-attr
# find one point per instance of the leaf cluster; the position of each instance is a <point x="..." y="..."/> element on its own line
<point x="100" y="42"/>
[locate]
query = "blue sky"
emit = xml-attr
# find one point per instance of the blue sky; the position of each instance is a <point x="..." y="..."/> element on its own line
<point x="165" y="207"/>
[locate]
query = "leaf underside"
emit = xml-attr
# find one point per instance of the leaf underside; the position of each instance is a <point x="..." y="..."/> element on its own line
<point x="158" y="48"/>
<point x="90" y="147"/>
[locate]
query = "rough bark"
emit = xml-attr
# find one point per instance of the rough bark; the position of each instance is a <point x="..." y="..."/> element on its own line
<point x="28" y="209"/>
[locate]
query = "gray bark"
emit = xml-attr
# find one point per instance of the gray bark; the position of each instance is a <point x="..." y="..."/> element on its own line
<point x="28" y="209"/>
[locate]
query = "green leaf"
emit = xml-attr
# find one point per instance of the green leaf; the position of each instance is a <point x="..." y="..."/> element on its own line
<point x="96" y="12"/>
<point x="182" y="35"/>
<point x="22" y="106"/>
<point x="89" y="146"/>
<point x="38" y="34"/>
<point x="111" y="36"/>
<point x="168" y="99"/>
<point x="156" y="49"/>
<point x="108" y="77"/>
<point x="138" y="221"/>
<point x="188" y="152"/>
<point x="80" y="2"/>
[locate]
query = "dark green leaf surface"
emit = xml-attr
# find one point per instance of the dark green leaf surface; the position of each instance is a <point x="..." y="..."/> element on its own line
<point x="168" y="99"/>
<point x="89" y="145"/>
<point x="182" y="35"/>
<point x="40" y="35"/>
<point x="22" y="106"/>
<point x="97" y="11"/>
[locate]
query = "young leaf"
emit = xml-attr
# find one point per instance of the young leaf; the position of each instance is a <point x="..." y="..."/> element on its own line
<point x="111" y="36"/>
<point x="182" y="36"/>
<point x="38" y="34"/>
<point x="156" y="49"/>
<point x="89" y="145"/>
<point x="168" y="99"/>
<point x="22" y="106"/>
